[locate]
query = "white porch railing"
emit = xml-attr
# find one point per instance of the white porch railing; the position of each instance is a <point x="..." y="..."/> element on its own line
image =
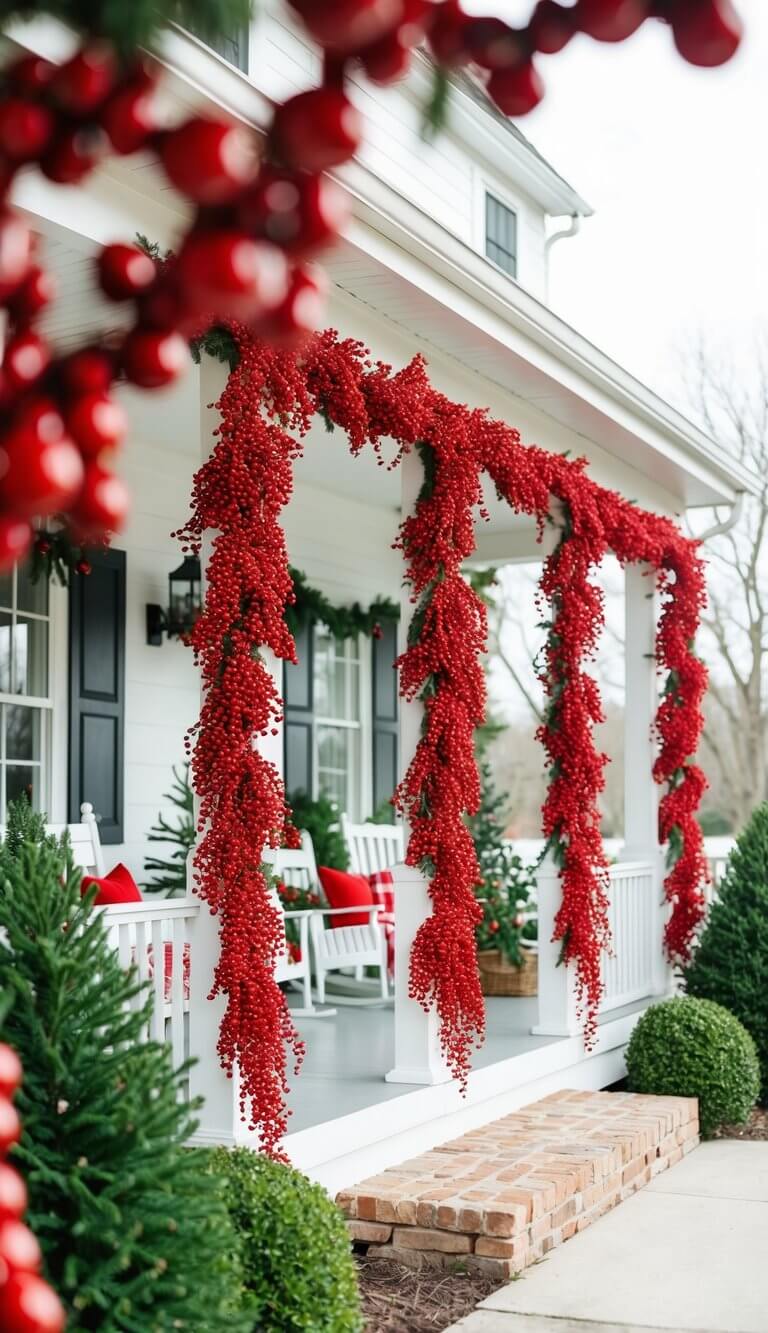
<point x="633" y="971"/>
<point x="628" y="973"/>
<point x="156" y="937"/>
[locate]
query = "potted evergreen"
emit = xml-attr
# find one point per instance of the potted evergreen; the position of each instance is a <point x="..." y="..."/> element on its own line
<point x="506" y="935"/>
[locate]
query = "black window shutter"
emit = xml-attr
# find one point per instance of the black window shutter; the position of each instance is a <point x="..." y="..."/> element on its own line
<point x="97" y="692"/>
<point x="385" y="711"/>
<point x="298" y="689"/>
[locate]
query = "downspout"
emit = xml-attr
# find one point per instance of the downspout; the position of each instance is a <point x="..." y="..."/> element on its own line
<point x="728" y="523"/>
<point x="574" y="226"/>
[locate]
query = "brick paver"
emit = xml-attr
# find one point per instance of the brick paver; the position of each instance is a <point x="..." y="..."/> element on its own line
<point x="500" y="1197"/>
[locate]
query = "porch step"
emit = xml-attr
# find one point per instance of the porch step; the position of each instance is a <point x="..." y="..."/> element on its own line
<point x="500" y="1197"/>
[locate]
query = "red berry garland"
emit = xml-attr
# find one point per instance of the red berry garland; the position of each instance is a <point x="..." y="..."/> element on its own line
<point x="238" y="494"/>
<point x="27" y="1303"/>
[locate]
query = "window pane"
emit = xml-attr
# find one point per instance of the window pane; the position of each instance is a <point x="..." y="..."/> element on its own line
<point x="5" y="652"/>
<point x="30" y="665"/>
<point x="332" y="748"/>
<point x="6" y="590"/>
<point x="31" y="596"/>
<point x="338" y="766"/>
<point x="501" y="235"/>
<point x="330" y="677"/>
<point x="22" y="732"/>
<point x="22" y="780"/>
<point x="335" y="786"/>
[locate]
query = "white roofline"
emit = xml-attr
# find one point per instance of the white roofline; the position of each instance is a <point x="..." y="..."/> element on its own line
<point x="445" y="254"/>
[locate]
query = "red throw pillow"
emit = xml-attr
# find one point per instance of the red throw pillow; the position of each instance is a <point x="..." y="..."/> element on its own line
<point x="118" y="886"/>
<point x="343" y="890"/>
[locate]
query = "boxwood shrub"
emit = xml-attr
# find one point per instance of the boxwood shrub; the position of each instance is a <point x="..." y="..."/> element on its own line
<point x="295" y="1251"/>
<point x="695" y="1048"/>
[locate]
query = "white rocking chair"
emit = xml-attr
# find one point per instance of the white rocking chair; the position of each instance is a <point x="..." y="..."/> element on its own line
<point x="296" y="866"/>
<point x="373" y="847"/>
<point x="335" y="948"/>
<point x="84" y="840"/>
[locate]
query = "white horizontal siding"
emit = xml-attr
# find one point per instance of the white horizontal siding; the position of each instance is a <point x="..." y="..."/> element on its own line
<point x="441" y="177"/>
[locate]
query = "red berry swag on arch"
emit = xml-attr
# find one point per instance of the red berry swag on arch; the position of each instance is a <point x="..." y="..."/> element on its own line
<point x="238" y="495"/>
<point x="256" y="225"/>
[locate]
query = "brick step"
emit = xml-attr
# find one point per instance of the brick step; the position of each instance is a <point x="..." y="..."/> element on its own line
<point x="500" y="1197"/>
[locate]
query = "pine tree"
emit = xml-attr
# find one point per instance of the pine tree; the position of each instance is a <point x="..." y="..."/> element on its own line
<point x="505" y="888"/>
<point x="134" y="1230"/>
<point x="171" y="875"/>
<point x="730" y="963"/>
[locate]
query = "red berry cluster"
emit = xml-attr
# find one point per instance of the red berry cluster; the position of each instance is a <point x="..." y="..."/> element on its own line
<point x="239" y="494"/>
<point x="244" y="257"/>
<point x="27" y="1303"/>
<point x="380" y="36"/>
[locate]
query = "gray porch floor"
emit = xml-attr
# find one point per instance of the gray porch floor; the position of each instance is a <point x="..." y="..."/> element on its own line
<point x="348" y="1056"/>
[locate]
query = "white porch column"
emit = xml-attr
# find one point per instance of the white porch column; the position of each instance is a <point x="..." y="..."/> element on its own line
<point x="220" y="1120"/>
<point x="641" y="793"/>
<point x="557" y="990"/>
<point x="418" y="1058"/>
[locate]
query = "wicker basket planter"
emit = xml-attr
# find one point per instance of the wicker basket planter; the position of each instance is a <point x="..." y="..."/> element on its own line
<point x="500" y="977"/>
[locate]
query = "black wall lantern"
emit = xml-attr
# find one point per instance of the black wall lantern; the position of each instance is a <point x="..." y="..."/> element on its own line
<point x="184" y="604"/>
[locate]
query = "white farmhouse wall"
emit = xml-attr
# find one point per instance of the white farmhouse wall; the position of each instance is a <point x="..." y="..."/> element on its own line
<point x="161" y="684"/>
<point x="444" y="178"/>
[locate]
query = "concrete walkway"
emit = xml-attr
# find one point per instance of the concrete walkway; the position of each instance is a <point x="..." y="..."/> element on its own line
<point x="688" y="1254"/>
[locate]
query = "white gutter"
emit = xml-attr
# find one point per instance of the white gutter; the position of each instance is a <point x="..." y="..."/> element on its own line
<point x="573" y="228"/>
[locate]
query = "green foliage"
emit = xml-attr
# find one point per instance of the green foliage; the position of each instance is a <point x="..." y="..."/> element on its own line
<point x="297" y="1264"/>
<point x="217" y="342"/>
<point x="137" y="23"/>
<point x="506" y="885"/>
<point x="24" y="825"/>
<point x="714" y="824"/>
<point x="383" y="814"/>
<point x="730" y="963"/>
<point x="170" y="876"/>
<point x="135" y="1233"/>
<point x="435" y="111"/>
<point x="55" y="556"/>
<point x="343" y="622"/>
<point x="320" y="816"/>
<point x="694" y="1048"/>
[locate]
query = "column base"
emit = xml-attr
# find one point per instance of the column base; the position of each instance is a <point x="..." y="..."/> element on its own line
<point x="555" y="1030"/>
<point x="421" y="1074"/>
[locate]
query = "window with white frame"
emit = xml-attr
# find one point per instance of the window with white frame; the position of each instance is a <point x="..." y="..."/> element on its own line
<point x="25" y="692"/>
<point x="338" y="721"/>
<point x="501" y="234"/>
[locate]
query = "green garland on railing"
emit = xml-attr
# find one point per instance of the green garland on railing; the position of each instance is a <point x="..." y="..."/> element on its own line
<point x="344" y="622"/>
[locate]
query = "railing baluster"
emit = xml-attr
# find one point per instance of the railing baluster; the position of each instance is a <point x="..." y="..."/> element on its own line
<point x="157" y="1021"/>
<point x="178" y="949"/>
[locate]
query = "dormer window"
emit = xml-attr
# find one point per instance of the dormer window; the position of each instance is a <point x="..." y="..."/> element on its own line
<point x="501" y="235"/>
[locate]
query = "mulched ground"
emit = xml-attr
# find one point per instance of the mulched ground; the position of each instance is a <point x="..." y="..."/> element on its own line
<point x="755" y="1128"/>
<point x="397" y="1299"/>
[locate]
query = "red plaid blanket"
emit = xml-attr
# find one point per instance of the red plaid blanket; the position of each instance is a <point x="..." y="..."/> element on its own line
<point x="168" y="977"/>
<point x="382" y="888"/>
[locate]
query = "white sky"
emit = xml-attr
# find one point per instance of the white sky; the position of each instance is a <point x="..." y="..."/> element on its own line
<point x="673" y="160"/>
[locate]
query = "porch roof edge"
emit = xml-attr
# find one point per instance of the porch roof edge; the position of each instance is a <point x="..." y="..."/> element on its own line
<point x="505" y="311"/>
